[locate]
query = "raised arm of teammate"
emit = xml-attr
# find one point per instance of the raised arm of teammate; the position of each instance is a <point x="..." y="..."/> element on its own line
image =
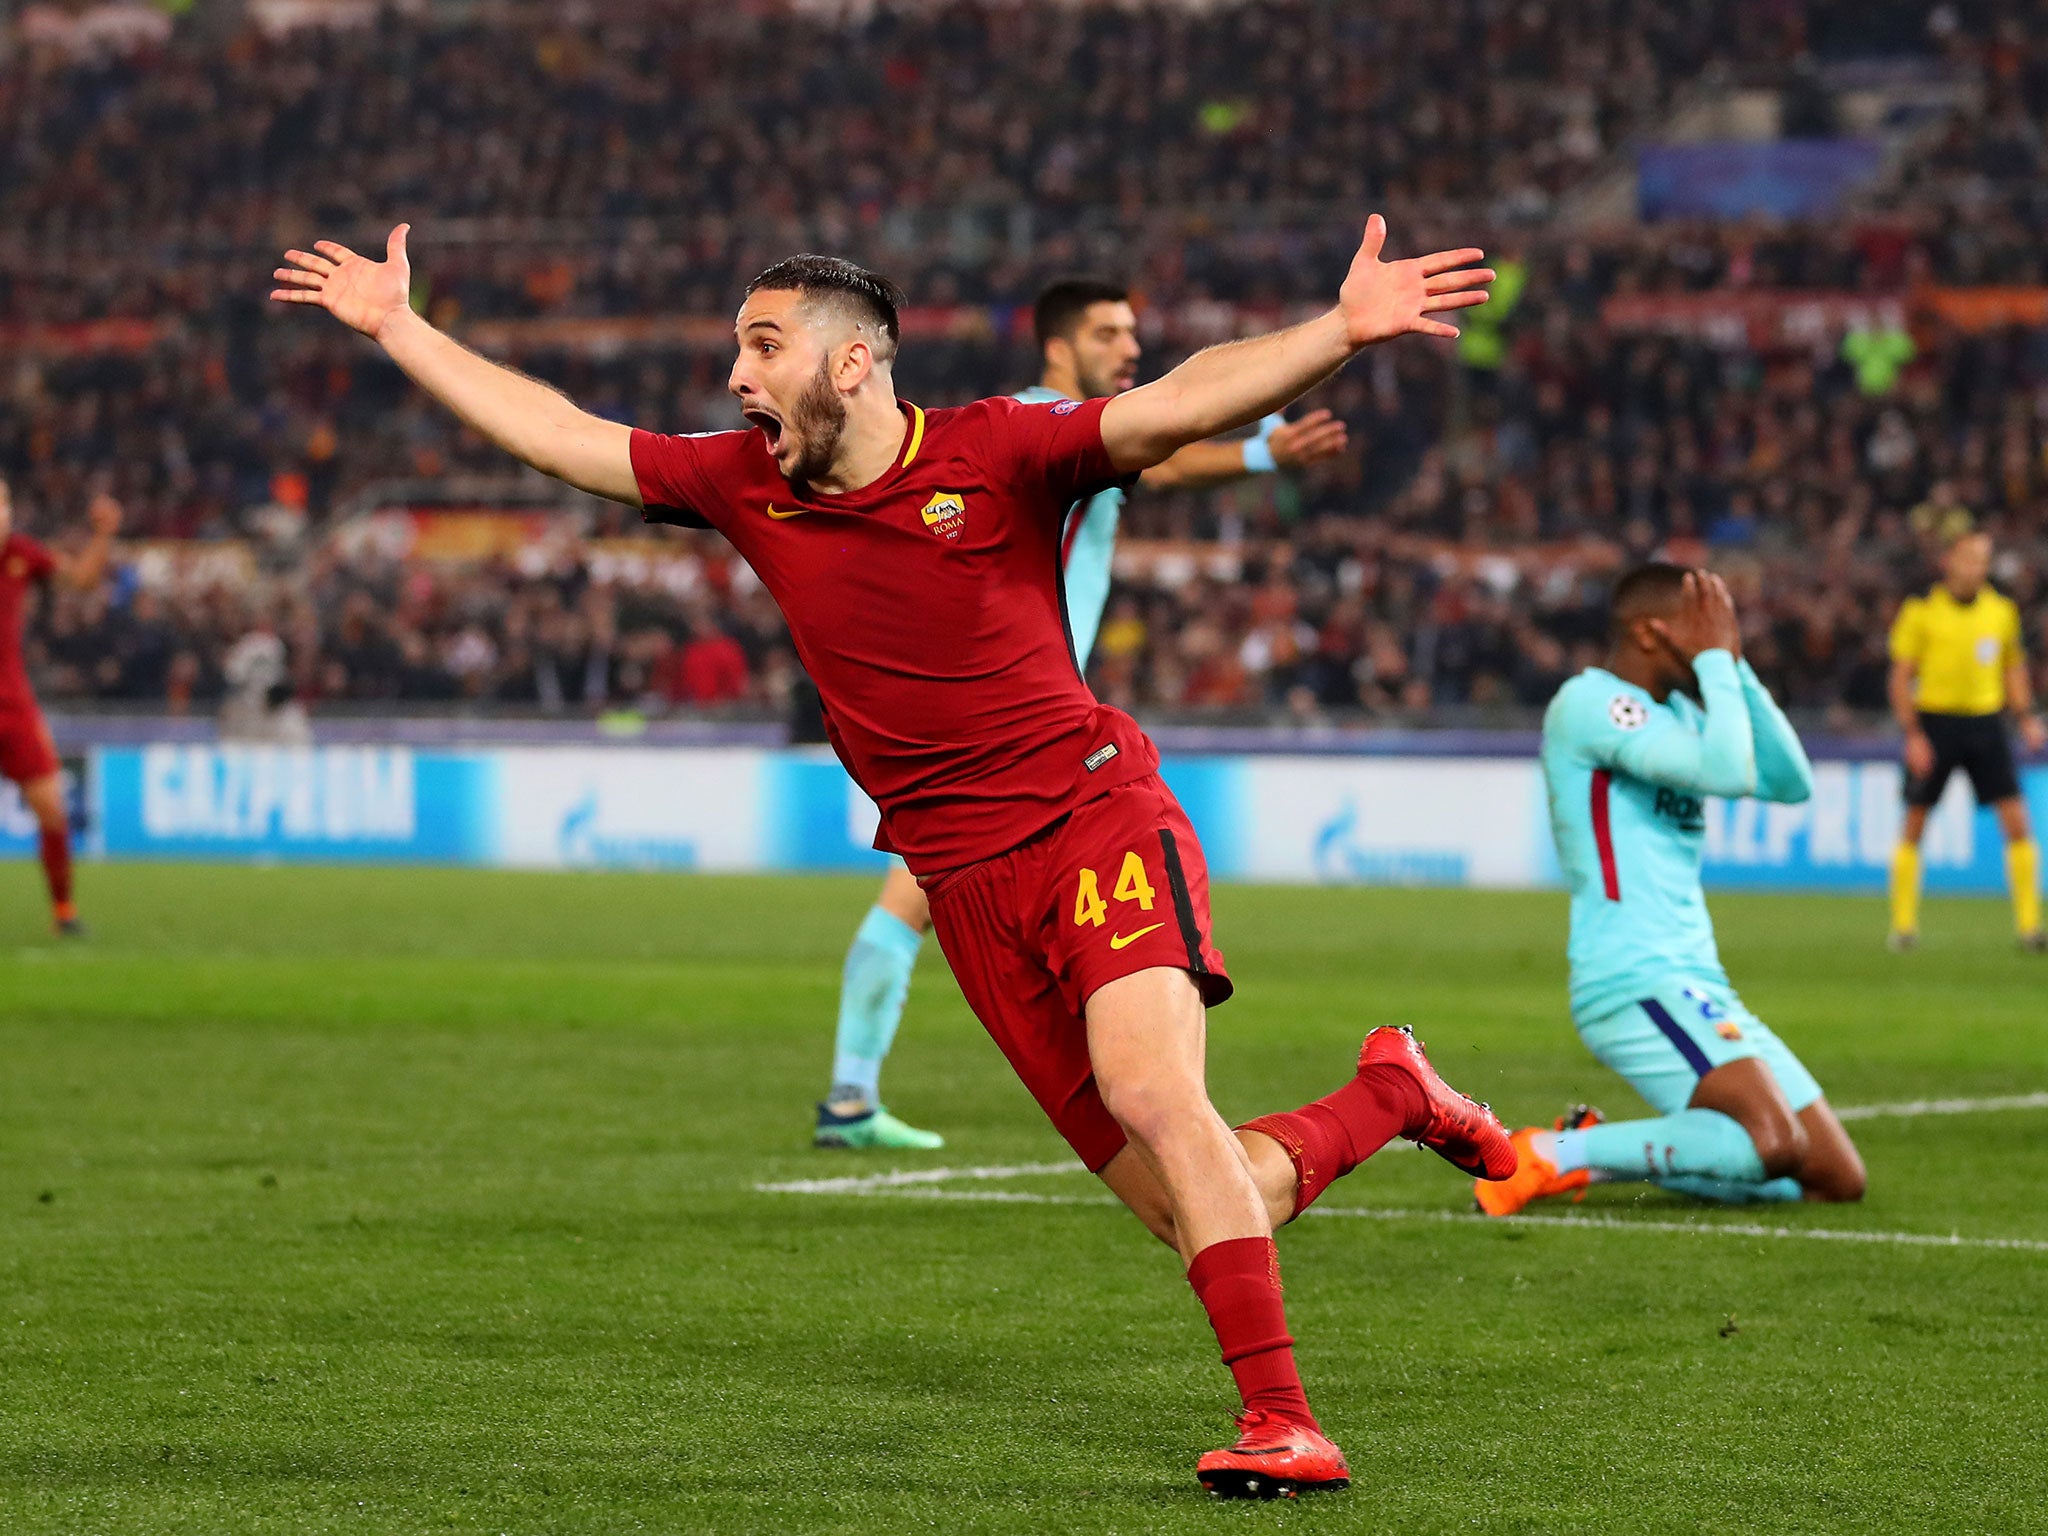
<point x="1233" y="385"/>
<point x="1318" y="435"/>
<point x="536" y="424"/>
<point x="1783" y="773"/>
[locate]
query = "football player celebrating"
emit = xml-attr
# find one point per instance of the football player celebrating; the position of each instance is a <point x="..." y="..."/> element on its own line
<point x="916" y="558"/>
<point x="1627" y="757"/>
<point x="27" y="754"/>
<point x="1088" y="346"/>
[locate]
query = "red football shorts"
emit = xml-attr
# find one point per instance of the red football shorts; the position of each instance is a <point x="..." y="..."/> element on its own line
<point x="26" y="751"/>
<point x="1118" y="886"/>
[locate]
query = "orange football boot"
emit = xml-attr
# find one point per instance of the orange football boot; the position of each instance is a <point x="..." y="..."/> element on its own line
<point x="1537" y="1177"/>
<point x="1274" y="1458"/>
<point x="1463" y="1132"/>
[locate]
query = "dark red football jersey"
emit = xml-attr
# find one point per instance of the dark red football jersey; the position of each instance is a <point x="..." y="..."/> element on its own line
<point x="23" y="563"/>
<point x="926" y="608"/>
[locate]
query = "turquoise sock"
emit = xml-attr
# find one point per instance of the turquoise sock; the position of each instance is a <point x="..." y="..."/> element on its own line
<point x="872" y="991"/>
<point x="1729" y="1192"/>
<point x="1694" y="1143"/>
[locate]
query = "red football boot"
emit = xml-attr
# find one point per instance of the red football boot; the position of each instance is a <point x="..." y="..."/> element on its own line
<point x="1274" y="1458"/>
<point x="1461" y="1131"/>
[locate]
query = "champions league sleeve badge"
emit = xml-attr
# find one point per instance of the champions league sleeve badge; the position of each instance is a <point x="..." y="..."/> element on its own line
<point x="1628" y="712"/>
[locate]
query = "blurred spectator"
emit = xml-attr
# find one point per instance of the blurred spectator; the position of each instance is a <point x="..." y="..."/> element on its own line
<point x="259" y="705"/>
<point x="707" y="668"/>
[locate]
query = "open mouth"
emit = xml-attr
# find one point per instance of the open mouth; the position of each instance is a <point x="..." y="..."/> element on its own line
<point x="770" y="427"/>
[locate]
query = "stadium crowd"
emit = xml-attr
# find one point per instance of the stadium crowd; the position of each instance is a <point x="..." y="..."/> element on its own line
<point x="1338" y="615"/>
<point x="1451" y="559"/>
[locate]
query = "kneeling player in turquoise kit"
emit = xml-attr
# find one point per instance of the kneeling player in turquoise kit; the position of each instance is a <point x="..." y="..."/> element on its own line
<point x="1628" y="759"/>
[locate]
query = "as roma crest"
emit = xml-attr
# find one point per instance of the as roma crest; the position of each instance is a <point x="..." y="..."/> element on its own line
<point x="946" y="514"/>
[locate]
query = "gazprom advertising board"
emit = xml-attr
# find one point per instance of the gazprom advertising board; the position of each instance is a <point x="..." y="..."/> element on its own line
<point x="1382" y="820"/>
<point x="316" y="805"/>
<point x="1842" y="838"/>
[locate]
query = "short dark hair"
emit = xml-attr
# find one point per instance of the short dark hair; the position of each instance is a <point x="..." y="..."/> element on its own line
<point x="1649" y="591"/>
<point x="1061" y="306"/>
<point x="868" y="297"/>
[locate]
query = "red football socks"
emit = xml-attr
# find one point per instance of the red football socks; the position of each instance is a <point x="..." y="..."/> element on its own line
<point x="1238" y="1282"/>
<point x="56" y="851"/>
<point x="1327" y="1139"/>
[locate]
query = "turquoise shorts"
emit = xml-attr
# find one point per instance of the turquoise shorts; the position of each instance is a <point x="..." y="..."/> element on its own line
<point x="1668" y="1041"/>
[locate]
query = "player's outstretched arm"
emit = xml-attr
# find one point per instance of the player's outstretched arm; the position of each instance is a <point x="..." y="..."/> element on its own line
<point x="1233" y="385"/>
<point x="1783" y="772"/>
<point x="1318" y="435"/>
<point x="530" y="421"/>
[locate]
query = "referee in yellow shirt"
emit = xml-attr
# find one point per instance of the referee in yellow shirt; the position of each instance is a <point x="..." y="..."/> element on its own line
<point x="1957" y="668"/>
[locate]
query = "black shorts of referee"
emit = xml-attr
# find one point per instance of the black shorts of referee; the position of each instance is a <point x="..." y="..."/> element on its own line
<point x="1979" y="746"/>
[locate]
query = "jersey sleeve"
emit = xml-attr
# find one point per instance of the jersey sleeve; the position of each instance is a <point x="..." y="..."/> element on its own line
<point x="1909" y="631"/>
<point x="1783" y="773"/>
<point x="678" y="474"/>
<point x="1056" y="443"/>
<point x="1627" y="733"/>
<point x="2012" y="649"/>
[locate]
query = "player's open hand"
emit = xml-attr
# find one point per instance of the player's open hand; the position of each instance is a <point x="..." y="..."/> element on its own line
<point x="1384" y="299"/>
<point x="103" y="514"/>
<point x="1317" y="436"/>
<point x="1705" y="620"/>
<point x="1717" y="613"/>
<point x="2033" y="733"/>
<point x="357" y="291"/>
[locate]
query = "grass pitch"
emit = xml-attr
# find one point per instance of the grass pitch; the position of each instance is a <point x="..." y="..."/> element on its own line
<point x="426" y="1201"/>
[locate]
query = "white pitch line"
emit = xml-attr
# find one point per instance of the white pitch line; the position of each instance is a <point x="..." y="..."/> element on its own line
<point x="924" y="1184"/>
<point x="900" y="1178"/>
<point x="904" y="1191"/>
<point x="1913" y="1107"/>
<point x="1695" y="1228"/>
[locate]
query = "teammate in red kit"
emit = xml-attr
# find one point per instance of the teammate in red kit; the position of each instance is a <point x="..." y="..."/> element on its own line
<point x="916" y="558"/>
<point x="27" y="754"/>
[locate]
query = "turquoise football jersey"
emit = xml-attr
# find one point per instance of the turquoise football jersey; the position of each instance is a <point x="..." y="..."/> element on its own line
<point x="1088" y="547"/>
<point x="1628" y="779"/>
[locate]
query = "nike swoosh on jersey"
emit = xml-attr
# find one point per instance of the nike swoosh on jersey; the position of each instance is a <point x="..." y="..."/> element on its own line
<point x="783" y="516"/>
<point x="1119" y="940"/>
